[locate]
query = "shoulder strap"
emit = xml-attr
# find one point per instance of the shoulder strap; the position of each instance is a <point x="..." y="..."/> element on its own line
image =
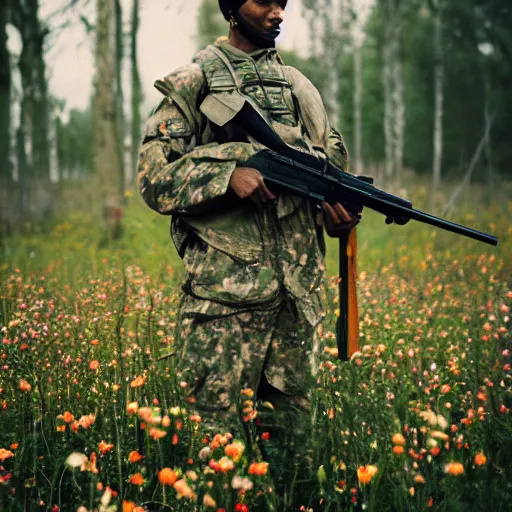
<point x="223" y="57"/>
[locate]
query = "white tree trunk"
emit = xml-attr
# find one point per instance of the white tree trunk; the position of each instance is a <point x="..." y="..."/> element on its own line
<point x="439" y="100"/>
<point x="333" y="44"/>
<point x="386" y="74"/>
<point x="398" y="110"/>
<point x="107" y="164"/>
<point x="393" y="85"/>
<point x="358" y="107"/>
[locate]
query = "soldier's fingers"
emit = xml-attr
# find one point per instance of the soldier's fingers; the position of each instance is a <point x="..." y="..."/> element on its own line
<point x="332" y="216"/>
<point x="343" y="213"/>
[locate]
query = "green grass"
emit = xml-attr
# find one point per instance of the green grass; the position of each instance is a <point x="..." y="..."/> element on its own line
<point x="84" y="325"/>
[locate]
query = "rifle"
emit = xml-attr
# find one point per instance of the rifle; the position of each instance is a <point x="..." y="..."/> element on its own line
<point x="320" y="180"/>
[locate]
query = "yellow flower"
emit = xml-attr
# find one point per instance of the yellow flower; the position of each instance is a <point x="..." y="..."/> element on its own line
<point x="366" y="473"/>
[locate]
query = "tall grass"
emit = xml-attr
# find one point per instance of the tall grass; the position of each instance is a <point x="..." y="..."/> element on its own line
<point x="92" y="413"/>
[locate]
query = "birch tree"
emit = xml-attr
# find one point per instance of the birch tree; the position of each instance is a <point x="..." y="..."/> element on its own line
<point x="393" y="86"/>
<point x="5" y="103"/>
<point x="136" y="91"/>
<point x="438" y="94"/>
<point x="357" y="157"/>
<point x="107" y="164"/>
<point x="328" y="19"/>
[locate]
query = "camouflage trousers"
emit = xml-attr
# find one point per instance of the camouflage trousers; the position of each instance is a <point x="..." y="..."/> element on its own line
<point x="266" y="352"/>
<point x="235" y="366"/>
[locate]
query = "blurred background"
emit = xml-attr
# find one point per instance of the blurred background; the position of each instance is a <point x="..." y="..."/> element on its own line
<point x="420" y="90"/>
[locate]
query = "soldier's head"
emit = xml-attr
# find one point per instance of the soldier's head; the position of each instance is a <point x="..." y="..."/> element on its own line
<point x="256" y="20"/>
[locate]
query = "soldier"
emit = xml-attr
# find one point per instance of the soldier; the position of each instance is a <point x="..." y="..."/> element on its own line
<point x="255" y="259"/>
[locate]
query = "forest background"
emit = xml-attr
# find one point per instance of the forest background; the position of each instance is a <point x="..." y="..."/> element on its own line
<point x="419" y="85"/>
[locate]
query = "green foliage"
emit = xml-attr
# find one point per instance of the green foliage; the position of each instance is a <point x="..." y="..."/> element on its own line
<point x="210" y="23"/>
<point x="74" y="144"/>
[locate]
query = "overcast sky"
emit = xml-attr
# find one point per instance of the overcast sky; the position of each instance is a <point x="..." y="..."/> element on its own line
<point x="166" y="41"/>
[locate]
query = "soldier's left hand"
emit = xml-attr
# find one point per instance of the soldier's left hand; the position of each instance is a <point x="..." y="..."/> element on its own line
<point x="338" y="220"/>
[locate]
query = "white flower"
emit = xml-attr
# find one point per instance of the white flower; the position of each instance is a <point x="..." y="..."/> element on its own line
<point x="75" y="460"/>
<point x="239" y="482"/>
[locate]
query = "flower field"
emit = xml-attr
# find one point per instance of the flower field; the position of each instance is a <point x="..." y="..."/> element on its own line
<point x="92" y="415"/>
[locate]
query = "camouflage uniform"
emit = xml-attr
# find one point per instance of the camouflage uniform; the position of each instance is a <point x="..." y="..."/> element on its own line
<point x="252" y="299"/>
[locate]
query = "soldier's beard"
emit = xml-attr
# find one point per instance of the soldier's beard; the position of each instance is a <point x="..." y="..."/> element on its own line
<point x="260" y="38"/>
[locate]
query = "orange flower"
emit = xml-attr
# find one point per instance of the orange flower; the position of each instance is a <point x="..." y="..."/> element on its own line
<point x="137" y="382"/>
<point x="247" y="392"/>
<point x="135" y="456"/>
<point x="94" y="365"/>
<point x="61" y="428"/>
<point x="234" y="450"/>
<point x="94" y="342"/>
<point x="435" y="451"/>
<point x="258" y="468"/>
<point x="480" y="459"/>
<point x="445" y="388"/>
<point x="166" y="421"/>
<point x="14" y="446"/>
<point x="157" y="433"/>
<point x="398" y="439"/>
<point x="128" y="506"/>
<point x="175" y="439"/>
<point x="195" y="418"/>
<point x="87" y="420"/>
<point x="136" y="479"/>
<point x="481" y="396"/>
<point x="5" y="454"/>
<point x="90" y="465"/>
<point x="454" y="468"/>
<point x="67" y="417"/>
<point x="419" y="479"/>
<point x="366" y="473"/>
<point x="104" y="447"/>
<point x="398" y="450"/>
<point x="24" y="386"/>
<point x="167" y="477"/>
<point x="150" y="415"/>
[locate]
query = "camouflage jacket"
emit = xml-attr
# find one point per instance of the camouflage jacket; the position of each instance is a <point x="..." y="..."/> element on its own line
<point x="235" y="255"/>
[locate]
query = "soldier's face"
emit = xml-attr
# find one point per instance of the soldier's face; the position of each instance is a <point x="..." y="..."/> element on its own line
<point x="263" y="15"/>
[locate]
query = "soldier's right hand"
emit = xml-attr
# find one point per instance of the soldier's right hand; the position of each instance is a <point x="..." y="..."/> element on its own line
<point x="247" y="182"/>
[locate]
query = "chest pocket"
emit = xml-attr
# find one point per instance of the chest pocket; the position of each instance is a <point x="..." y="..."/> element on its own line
<point x="276" y="98"/>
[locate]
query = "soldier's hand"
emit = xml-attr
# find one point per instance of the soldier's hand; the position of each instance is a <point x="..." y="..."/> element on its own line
<point x="338" y="220"/>
<point x="247" y="182"/>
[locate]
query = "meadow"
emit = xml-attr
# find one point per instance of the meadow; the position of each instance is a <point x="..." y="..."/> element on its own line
<point x="92" y="415"/>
